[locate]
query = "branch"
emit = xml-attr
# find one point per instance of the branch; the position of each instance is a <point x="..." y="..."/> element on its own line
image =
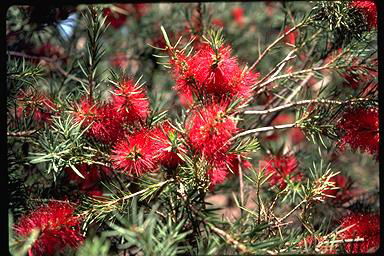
<point x="274" y="43"/>
<point x="263" y="129"/>
<point x="304" y="102"/>
<point x="21" y="133"/>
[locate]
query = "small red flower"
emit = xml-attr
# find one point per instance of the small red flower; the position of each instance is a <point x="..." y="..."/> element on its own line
<point x="360" y="129"/>
<point x="209" y="129"/>
<point x="296" y="135"/>
<point x="136" y="153"/>
<point x="58" y="227"/>
<point x="104" y="124"/>
<point x="116" y="19"/>
<point x="165" y="137"/>
<point x="92" y="176"/>
<point x="291" y="37"/>
<point x="210" y="75"/>
<point x="119" y="60"/>
<point x="238" y="15"/>
<point x="366" y="226"/>
<point x="130" y="102"/>
<point x="218" y="22"/>
<point x="281" y="168"/>
<point x="368" y="8"/>
<point x="223" y="166"/>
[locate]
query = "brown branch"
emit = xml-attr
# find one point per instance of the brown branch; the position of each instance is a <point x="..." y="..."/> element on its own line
<point x="22" y="133"/>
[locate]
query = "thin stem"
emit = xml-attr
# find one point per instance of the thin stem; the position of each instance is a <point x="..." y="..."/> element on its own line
<point x="263" y="129"/>
<point x="22" y="133"/>
<point x="304" y="102"/>
<point x="274" y="43"/>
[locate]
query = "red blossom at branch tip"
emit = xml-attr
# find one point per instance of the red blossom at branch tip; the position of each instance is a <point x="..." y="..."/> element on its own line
<point x="58" y="227"/>
<point x="238" y="15"/>
<point x="282" y="168"/>
<point x="104" y="125"/>
<point x="136" y="153"/>
<point x="368" y="9"/>
<point x="360" y="128"/>
<point x="165" y="137"/>
<point x="209" y="128"/>
<point x="364" y="225"/>
<point x="130" y="102"/>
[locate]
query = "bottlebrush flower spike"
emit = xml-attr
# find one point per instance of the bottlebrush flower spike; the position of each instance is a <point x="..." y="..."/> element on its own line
<point x="116" y="19"/>
<point x="281" y="168"/>
<point x="364" y="225"/>
<point x="165" y="137"/>
<point x="130" y="102"/>
<point x="361" y="129"/>
<point x="238" y="15"/>
<point x="368" y="8"/>
<point x="136" y="153"/>
<point x="210" y="75"/>
<point x="209" y="128"/>
<point x="223" y="166"/>
<point x="58" y="227"/>
<point x="104" y="125"/>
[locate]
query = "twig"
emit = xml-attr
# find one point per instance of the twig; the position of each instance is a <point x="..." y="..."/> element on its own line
<point x="21" y="133"/>
<point x="274" y="43"/>
<point x="263" y="129"/>
<point x="241" y="247"/>
<point x="241" y="185"/>
<point x="294" y="209"/>
<point x="304" y="102"/>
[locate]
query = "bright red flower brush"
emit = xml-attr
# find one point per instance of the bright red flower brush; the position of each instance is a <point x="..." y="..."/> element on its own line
<point x="281" y="168"/>
<point x="130" y="102"/>
<point x="368" y="9"/>
<point x="165" y="137"/>
<point x="364" y="225"/>
<point x="360" y="129"/>
<point x="116" y="19"/>
<point x="58" y="227"/>
<point x="105" y="126"/>
<point x="209" y="129"/>
<point x="136" y="153"/>
<point x="238" y="15"/>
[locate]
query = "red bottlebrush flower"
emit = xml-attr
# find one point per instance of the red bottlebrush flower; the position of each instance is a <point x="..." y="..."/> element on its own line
<point x="341" y="194"/>
<point x="210" y="128"/>
<point x="291" y="37"/>
<point x="296" y="135"/>
<point x="58" y="227"/>
<point x="130" y="102"/>
<point x="368" y="9"/>
<point x="218" y="22"/>
<point x="238" y="15"/>
<point x="281" y="168"/>
<point x="136" y="153"/>
<point x="50" y="51"/>
<point x="165" y="138"/>
<point x="141" y="9"/>
<point x="361" y="129"/>
<point x="116" y="19"/>
<point x="283" y="119"/>
<point x="366" y="226"/>
<point x="211" y="75"/>
<point x="105" y="126"/>
<point x="92" y="175"/>
<point x="223" y="166"/>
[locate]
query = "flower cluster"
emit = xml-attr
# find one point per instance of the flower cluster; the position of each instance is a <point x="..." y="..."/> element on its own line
<point x="58" y="228"/>
<point x="281" y="168"/>
<point x="211" y="75"/>
<point x="368" y="9"/>
<point x="146" y="149"/>
<point x="361" y="129"/>
<point x="361" y="225"/>
<point x="106" y="122"/>
<point x="118" y="18"/>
